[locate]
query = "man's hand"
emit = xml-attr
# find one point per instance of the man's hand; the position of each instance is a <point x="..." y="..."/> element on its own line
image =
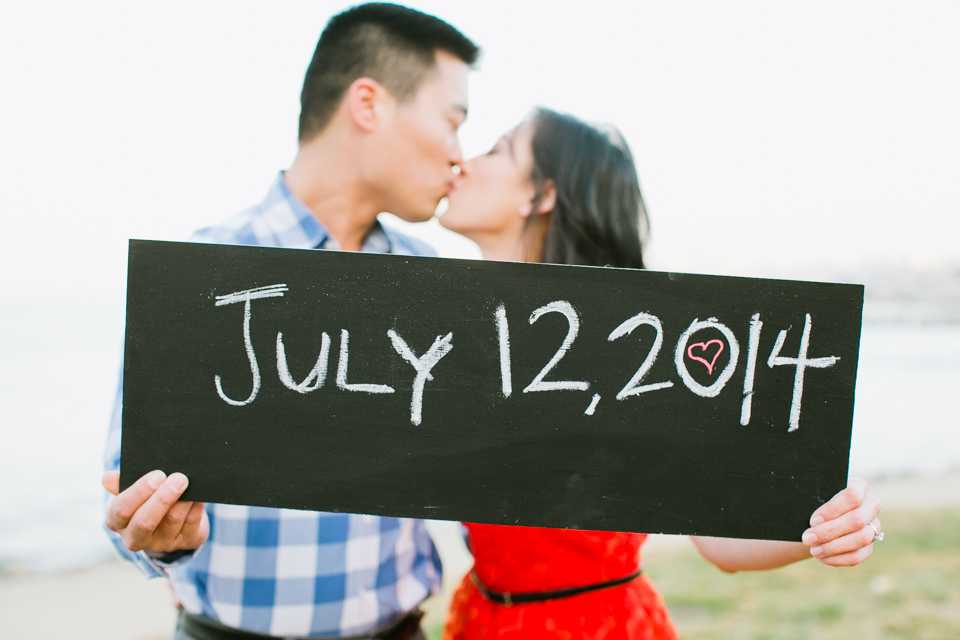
<point x="840" y="532"/>
<point x="148" y="517"/>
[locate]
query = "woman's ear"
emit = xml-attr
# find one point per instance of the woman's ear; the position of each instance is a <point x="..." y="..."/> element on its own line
<point x="549" y="199"/>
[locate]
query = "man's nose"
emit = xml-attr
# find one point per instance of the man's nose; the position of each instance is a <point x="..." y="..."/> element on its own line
<point x="456" y="154"/>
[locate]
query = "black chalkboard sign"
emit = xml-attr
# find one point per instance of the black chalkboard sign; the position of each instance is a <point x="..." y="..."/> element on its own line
<point x="541" y="395"/>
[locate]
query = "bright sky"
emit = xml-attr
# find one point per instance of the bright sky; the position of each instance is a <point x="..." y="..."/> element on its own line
<point x="771" y="138"/>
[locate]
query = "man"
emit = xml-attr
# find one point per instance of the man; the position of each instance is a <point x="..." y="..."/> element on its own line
<point x="382" y="101"/>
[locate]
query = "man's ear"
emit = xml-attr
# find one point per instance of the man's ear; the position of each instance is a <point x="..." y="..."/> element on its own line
<point x="549" y="199"/>
<point x="365" y="100"/>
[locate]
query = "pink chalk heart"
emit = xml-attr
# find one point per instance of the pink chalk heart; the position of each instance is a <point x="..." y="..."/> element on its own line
<point x="703" y="348"/>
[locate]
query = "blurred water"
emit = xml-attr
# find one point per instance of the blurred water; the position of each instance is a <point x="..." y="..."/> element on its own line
<point x="59" y="363"/>
<point x="58" y="370"/>
<point x="906" y="418"/>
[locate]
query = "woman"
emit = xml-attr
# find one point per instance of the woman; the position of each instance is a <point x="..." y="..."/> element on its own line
<point x="557" y="190"/>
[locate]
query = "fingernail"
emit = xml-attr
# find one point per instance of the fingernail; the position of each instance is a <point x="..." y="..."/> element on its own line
<point x="156" y="478"/>
<point x="815" y="520"/>
<point x="809" y="537"/>
<point x="816" y="551"/>
<point x="178" y="482"/>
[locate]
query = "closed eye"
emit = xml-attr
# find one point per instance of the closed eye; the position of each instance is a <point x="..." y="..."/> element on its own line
<point x="497" y="148"/>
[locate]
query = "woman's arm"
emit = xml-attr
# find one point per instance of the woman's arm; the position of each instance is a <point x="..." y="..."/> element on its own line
<point x="840" y="535"/>
<point x="732" y="554"/>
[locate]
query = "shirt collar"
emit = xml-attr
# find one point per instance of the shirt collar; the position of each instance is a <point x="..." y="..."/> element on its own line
<point x="314" y="235"/>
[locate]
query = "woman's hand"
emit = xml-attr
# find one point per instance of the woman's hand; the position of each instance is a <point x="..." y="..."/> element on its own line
<point x="840" y="532"/>
<point x="839" y="535"/>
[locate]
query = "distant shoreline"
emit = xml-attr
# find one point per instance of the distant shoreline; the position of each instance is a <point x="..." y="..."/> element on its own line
<point x="911" y="311"/>
<point x="912" y="491"/>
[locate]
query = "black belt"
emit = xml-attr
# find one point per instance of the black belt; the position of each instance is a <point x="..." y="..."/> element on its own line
<point x="508" y="599"/>
<point x="204" y="628"/>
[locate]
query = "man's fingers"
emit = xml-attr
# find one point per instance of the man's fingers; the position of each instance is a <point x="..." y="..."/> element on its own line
<point x="846" y="544"/>
<point x="149" y="516"/>
<point x="847" y="500"/>
<point x="171" y="524"/>
<point x="111" y="481"/>
<point x="196" y="528"/>
<point x="126" y="504"/>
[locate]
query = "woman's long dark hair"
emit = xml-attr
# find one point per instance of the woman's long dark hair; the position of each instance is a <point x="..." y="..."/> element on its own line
<point x="599" y="218"/>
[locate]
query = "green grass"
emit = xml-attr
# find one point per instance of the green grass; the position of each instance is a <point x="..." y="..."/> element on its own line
<point x="909" y="588"/>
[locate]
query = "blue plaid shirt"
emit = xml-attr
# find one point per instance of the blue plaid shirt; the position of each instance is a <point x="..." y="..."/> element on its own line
<point x="296" y="573"/>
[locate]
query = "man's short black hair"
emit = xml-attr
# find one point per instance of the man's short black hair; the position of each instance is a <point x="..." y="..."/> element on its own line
<point x="394" y="45"/>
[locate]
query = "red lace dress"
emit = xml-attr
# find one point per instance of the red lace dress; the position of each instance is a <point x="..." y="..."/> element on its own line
<point x="527" y="559"/>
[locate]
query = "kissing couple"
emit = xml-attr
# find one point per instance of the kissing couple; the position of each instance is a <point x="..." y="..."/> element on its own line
<point x="381" y="105"/>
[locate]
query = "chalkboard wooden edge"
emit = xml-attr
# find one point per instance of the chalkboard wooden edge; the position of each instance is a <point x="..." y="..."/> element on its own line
<point x="673" y="276"/>
<point x="388" y="513"/>
<point x="856" y="373"/>
<point x="132" y="246"/>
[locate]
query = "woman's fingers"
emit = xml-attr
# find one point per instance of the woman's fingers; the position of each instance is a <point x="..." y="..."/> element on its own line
<point x="847" y="512"/>
<point x="849" y="559"/>
<point x="849" y="522"/>
<point x="840" y="533"/>
<point x="846" y="544"/>
<point x="847" y="500"/>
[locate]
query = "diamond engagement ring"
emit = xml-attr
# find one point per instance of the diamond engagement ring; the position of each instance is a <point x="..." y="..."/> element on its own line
<point x="877" y="535"/>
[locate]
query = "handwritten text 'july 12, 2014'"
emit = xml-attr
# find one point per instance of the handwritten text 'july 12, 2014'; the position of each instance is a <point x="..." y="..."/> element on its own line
<point x="687" y="354"/>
